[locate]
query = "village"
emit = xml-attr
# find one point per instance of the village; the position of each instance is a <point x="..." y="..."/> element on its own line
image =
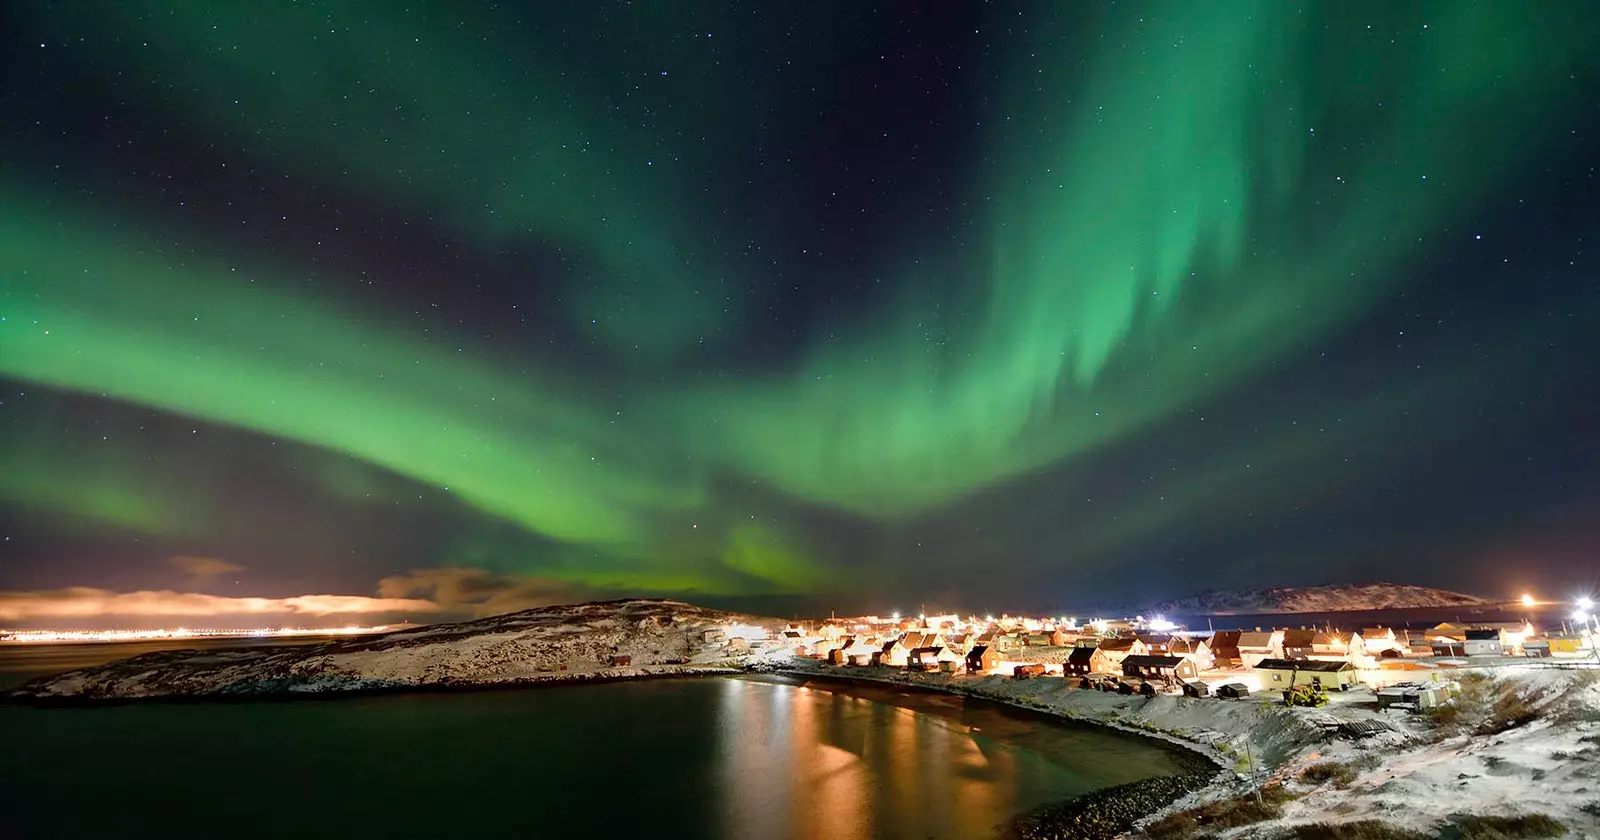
<point x="1154" y="656"/>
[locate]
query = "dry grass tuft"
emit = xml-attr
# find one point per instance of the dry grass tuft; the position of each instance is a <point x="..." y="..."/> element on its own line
<point x="1339" y="772"/>
<point x="1506" y="828"/>
<point x="1223" y="814"/>
<point x="1359" y="830"/>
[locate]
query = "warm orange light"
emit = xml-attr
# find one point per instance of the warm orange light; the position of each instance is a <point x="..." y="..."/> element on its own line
<point x="1527" y="600"/>
<point x="180" y="633"/>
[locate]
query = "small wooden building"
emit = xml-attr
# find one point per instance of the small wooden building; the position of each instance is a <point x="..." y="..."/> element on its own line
<point x="621" y="660"/>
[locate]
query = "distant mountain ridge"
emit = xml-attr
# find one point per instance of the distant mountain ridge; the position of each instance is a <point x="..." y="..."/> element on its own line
<point x="1333" y="597"/>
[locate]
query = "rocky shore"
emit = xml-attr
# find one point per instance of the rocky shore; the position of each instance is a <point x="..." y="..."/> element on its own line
<point x="1109" y="812"/>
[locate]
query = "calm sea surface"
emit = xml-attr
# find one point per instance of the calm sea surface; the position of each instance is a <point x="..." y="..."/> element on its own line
<point x="692" y="758"/>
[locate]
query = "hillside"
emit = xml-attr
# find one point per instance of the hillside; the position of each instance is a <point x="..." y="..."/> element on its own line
<point x="570" y="642"/>
<point x="1339" y="597"/>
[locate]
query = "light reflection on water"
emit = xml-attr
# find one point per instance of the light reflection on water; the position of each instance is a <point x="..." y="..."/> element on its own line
<point x="706" y="758"/>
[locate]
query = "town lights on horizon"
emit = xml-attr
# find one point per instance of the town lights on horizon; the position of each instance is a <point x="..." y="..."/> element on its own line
<point x="44" y="636"/>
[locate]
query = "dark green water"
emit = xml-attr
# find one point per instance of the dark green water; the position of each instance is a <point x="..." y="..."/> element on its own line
<point x="695" y="758"/>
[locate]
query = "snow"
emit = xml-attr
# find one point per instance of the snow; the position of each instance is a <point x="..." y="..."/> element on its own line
<point x="1411" y="772"/>
<point x="550" y="644"/>
<point x="1352" y="597"/>
<point x="1411" y="777"/>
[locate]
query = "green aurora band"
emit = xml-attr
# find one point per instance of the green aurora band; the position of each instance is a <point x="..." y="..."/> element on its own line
<point x="1158" y="217"/>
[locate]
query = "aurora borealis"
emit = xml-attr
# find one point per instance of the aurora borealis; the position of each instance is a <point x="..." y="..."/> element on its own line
<point x="817" y="305"/>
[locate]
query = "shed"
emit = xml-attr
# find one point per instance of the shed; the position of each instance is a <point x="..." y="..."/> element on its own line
<point x="1233" y="690"/>
<point x="1536" y="648"/>
<point x="714" y="636"/>
<point x="1196" y="688"/>
<point x="621" y="660"/>
<point x="1279" y="674"/>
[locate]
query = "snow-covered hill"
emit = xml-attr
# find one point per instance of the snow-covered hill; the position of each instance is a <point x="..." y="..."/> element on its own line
<point x="548" y="644"/>
<point x="1339" y="597"/>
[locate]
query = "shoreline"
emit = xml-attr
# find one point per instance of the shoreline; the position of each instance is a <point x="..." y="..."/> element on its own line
<point x="292" y="695"/>
<point x="1096" y="815"/>
<point x="1217" y="758"/>
<point x="1101" y="814"/>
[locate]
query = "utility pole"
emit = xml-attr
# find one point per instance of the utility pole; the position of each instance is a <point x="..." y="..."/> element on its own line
<point x="1250" y="758"/>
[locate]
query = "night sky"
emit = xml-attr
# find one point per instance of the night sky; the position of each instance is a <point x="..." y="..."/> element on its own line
<point x="793" y="306"/>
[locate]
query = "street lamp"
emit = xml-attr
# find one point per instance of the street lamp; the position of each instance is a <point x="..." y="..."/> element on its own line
<point x="1585" y="603"/>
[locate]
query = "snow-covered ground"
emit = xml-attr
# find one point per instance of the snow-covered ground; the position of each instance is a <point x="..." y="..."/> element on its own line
<point x="1413" y="772"/>
<point x="1342" y="597"/>
<point x="606" y="640"/>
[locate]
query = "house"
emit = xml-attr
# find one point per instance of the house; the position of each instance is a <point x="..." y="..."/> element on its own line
<point x="1115" y="650"/>
<point x="1298" y="644"/>
<point x="924" y="658"/>
<point x="983" y="660"/>
<point x="1159" y="667"/>
<point x="1224" y="646"/>
<point x="1255" y="646"/>
<point x="1061" y="638"/>
<point x="1482" y="641"/>
<point x="714" y="636"/>
<point x="1330" y="645"/>
<point x="1080" y="663"/>
<point x="1374" y="641"/>
<point x="1156" y="644"/>
<point x="961" y="642"/>
<point x="738" y="644"/>
<point x="1419" y="646"/>
<point x="621" y="660"/>
<point x="1280" y="674"/>
<point x="893" y="653"/>
<point x="1196" y="649"/>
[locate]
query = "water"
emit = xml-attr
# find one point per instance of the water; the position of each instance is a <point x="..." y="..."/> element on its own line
<point x="691" y="758"/>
